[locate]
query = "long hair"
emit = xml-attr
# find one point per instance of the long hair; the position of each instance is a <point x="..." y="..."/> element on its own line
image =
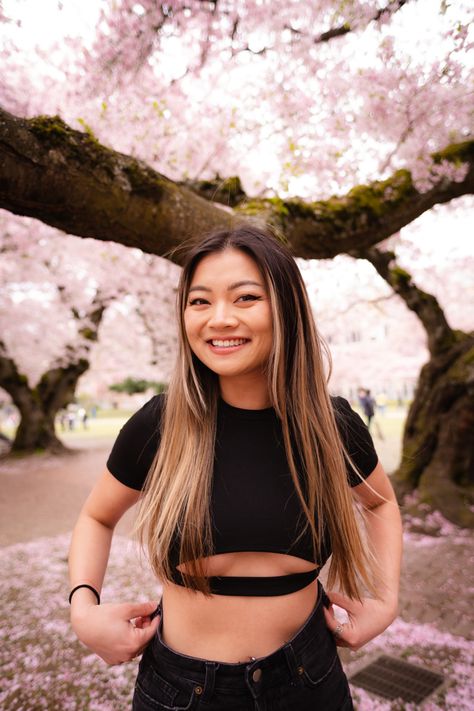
<point x="176" y="499"/>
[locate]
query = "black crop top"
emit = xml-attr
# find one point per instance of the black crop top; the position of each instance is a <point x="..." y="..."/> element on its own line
<point x="254" y="505"/>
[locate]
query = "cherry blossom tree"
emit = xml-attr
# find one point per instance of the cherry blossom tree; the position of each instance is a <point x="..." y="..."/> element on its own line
<point x="179" y="117"/>
<point x="52" y="305"/>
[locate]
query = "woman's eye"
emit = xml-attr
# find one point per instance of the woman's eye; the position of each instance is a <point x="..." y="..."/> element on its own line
<point x="249" y="297"/>
<point x="197" y="302"/>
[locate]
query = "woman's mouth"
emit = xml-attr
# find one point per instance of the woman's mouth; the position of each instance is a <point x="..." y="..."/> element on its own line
<point x="228" y="342"/>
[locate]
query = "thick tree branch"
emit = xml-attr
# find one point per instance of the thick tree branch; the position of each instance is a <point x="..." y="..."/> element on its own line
<point x="441" y="336"/>
<point x="368" y="214"/>
<point x="66" y="179"/>
<point x="50" y="394"/>
<point x="226" y="191"/>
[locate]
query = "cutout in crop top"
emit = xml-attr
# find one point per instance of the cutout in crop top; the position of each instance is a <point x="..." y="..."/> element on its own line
<point x="254" y="506"/>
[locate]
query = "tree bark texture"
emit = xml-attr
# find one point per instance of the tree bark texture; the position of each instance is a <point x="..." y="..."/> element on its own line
<point x="438" y="441"/>
<point x="66" y="179"/>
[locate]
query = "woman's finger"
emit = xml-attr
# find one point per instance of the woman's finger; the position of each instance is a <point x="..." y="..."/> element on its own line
<point x="145" y="633"/>
<point x="338" y="629"/>
<point x="342" y="601"/>
<point x="139" y="609"/>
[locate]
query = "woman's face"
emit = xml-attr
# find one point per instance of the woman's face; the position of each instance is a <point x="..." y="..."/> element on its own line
<point x="227" y="317"/>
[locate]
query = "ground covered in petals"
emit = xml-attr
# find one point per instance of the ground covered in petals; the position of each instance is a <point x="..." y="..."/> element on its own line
<point x="436" y="626"/>
<point x="43" y="665"/>
<point x="438" y="651"/>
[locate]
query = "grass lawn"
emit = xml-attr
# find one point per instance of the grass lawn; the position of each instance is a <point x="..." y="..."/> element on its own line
<point x="387" y="431"/>
<point x="105" y="425"/>
<point x="98" y="427"/>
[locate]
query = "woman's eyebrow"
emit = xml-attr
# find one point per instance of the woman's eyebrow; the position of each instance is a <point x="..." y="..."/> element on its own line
<point x="244" y="282"/>
<point x="198" y="288"/>
<point x="231" y="287"/>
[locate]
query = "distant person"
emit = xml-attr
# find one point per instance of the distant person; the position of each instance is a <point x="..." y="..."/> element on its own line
<point x="373" y="419"/>
<point x="71" y="420"/>
<point x="367" y="404"/>
<point x="245" y="491"/>
<point x="82" y="414"/>
<point x="63" y="418"/>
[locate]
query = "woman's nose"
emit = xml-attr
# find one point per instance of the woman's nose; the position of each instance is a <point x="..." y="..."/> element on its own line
<point x="222" y="315"/>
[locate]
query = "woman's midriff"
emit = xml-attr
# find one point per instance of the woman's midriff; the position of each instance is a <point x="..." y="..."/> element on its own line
<point x="234" y="629"/>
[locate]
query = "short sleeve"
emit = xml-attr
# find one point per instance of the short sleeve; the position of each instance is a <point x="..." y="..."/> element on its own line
<point x="356" y="439"/>
<point x="136" y="445"/>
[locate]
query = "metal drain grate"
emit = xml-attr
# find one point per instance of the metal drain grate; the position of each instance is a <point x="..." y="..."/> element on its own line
<point x="393" y="678"/>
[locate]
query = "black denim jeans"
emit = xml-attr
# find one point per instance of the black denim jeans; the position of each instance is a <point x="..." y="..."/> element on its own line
<point x="305" y="674"/>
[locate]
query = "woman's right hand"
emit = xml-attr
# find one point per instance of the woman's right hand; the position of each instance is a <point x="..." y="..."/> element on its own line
<point x="116" y="632"/>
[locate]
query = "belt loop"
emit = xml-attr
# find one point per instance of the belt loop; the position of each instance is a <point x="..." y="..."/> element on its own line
<point x="325" y="599"/>
<point x="209" y="681"/>
<point x="158" y="611"/>
<point x="292" y="662"/>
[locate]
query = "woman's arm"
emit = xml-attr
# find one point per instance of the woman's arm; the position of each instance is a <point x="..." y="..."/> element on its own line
<point x="370" y="617"/>
<point x="106" y="629"/>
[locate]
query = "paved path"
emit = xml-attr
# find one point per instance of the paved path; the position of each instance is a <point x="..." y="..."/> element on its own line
<point x="42" y="496"/>
<point x="437" y="583"/>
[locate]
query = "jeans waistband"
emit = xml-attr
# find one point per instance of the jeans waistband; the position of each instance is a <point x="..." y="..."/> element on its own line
<point x="284" y="664"/>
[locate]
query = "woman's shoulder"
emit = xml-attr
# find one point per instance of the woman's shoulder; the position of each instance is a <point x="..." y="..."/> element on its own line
<point x="153" y="407"/>
<point x="136" y="444"/>
<point x="341" y="406"/>
<point x="148" y="417"/>
<point x="347" y="419"/>
<point x="355" y="437"/>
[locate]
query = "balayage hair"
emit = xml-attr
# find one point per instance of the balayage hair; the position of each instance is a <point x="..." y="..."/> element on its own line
<point x="176" y="497"/>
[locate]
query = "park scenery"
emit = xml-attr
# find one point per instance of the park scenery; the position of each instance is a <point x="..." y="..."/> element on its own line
<point x="129" y="128"/>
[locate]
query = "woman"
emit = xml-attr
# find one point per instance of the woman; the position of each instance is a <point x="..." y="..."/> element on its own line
<point x="252" y="474"/>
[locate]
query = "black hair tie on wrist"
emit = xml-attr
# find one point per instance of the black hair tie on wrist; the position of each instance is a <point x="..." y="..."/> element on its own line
<point x="84" y="585"/>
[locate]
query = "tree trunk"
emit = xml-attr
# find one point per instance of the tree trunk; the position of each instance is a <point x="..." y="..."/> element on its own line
<point x="36" y="429"/>
<point x="38" y="406"/>
<point x="438" y="443"/>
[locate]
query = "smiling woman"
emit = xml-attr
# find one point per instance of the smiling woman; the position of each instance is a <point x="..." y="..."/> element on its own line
<point x="247" y="471"/>
<point x="229" y="325"/>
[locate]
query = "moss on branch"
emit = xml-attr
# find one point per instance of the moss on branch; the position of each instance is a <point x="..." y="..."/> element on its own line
<point x="400" y="277"/>
<point x="84" y="147"/>
<point x="456" y="153"/>
<point x="373" y="201"/>
<point x="226" y="191"/>
<point x="54" y="133"/>
<point x="369" y="203"/>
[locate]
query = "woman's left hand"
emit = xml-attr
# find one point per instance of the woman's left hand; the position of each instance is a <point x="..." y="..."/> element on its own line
<point x="366" y="619"/>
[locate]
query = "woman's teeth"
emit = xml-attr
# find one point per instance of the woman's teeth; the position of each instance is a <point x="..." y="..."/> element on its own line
<point x="229" y="343"/>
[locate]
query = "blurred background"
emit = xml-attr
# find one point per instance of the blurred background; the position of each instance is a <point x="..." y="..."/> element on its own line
<point x="128" y="128"/>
